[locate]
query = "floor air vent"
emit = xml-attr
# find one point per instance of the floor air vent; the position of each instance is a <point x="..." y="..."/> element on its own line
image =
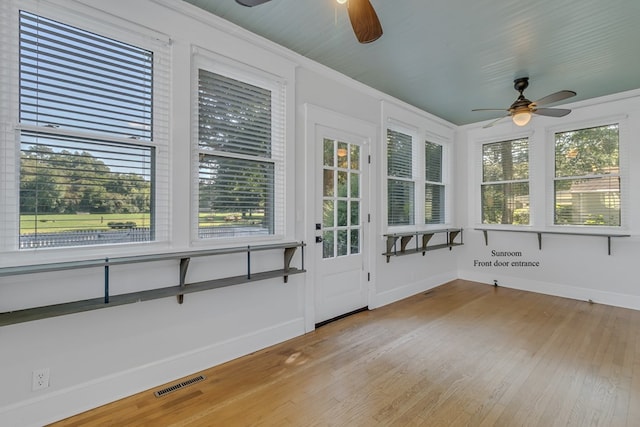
<point x="175" y="387"/>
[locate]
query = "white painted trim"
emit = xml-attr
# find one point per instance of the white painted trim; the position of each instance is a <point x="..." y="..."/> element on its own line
<point x="64" y="403"/>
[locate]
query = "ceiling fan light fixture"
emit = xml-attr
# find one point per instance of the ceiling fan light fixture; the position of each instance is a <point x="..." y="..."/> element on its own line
<point x="341" y="1"/>
<point x="522" y="109"/>
<point x="521" y="118"/>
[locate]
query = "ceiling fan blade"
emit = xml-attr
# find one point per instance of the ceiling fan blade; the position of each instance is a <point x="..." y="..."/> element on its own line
<point x="551" y="112"/>
<point x="251" y="3"/>
<point x="555" y="97"/>
<point x="488" y="125"/>
<point x="489" y="109"/>
<point x="364" y="20"/>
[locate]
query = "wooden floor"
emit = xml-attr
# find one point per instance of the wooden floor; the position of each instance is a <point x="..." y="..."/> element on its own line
<point x="463" y="354"/>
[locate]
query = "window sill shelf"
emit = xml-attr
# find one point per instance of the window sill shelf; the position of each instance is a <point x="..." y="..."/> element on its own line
<point x="422" y="241"/>
<point x="485" y="232"/>
<point x="178" y="291"/>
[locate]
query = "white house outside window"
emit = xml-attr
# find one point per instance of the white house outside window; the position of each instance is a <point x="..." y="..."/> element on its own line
<point x="587" y="177"/>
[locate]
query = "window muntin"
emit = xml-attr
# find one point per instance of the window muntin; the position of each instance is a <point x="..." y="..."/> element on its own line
<point x="83" y="99"/>
<point x="587" y="177"/>
<point x="505" y="182"/>
<point x="240" y="151"/>
<point x="434" y="191"/>
<point x="341" y="199"/>
<point x="400" y="182"/>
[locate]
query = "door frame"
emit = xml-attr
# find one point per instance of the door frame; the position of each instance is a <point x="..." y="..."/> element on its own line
<point x="318" y="117"/>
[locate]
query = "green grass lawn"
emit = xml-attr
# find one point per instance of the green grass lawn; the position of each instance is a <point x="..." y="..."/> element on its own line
<point x="68" y="222"/>
<point x="228" y="218"/>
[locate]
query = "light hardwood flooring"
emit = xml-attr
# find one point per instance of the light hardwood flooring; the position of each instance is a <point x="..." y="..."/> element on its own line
<point x="463" y="354"/>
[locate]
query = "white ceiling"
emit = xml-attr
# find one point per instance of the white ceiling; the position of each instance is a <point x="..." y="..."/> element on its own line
<point x="450" y="56"/>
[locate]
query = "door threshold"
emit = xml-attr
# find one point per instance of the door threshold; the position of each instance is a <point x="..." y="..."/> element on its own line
<point x="342" y="316"/>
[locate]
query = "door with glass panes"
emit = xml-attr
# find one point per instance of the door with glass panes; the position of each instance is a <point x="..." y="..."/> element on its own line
<point x="341" y="221"/>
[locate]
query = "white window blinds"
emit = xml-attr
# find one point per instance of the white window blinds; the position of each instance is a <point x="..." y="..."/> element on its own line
<point x="400" y="182"/>
<point x="241" y="151"/>
<point x="74" y="79"/>
<point x="434" y="191"/>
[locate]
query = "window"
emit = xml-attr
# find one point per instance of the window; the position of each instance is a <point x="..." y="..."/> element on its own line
<point x="87" y="155"/>
<point x="240" y="150"/>
<point x="587" y="177"/>
<point x="433" y="187"/>
<point x="415" y="181"/>
<point x="505" y="182"/>
<point x="400" y="182"/>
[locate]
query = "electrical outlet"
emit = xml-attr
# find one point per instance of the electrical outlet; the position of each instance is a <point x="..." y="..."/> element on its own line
<point x="40" y="379"/>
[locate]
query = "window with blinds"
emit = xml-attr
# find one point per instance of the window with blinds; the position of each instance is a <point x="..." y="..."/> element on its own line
<point x="240" y="150"/>
<point x="85" y="112"/>
<point x="400" y="182"/>
<point x="587" y="177"/>
<point x="434" y="186"/>
<point x="505" y="182"/>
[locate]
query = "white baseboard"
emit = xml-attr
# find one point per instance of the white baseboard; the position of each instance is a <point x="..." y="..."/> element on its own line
<point x="64" y="403"/>
<point x="557" y="289"/>
<point x="411" y="289"/>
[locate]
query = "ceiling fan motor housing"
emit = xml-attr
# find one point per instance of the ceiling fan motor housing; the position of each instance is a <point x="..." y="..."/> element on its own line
<point x="520" y="84"/>
<point x="521" y="104"/>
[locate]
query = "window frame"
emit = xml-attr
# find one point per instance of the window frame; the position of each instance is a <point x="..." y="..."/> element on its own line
<point x="218" y="64"/>
<point x="481" y="145"/>
<point x="623" y="174"/>
<point x="422" y="132"/>
<point x="96" y="22"/>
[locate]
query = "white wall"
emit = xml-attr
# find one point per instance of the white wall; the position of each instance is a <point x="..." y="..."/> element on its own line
<point x="571" y="266"/>
<point x="100" y="356"/>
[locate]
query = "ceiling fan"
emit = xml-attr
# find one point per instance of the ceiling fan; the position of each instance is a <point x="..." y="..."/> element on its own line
<point x="521" y="110"/>
<point x="363" y="17"/>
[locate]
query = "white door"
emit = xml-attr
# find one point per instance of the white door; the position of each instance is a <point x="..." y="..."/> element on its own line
<point x="341" y="284"/>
